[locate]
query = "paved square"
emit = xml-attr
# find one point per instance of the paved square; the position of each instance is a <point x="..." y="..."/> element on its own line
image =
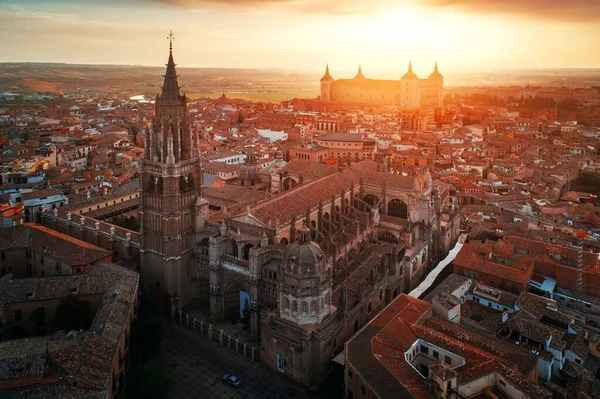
<point x="197" y="365"/>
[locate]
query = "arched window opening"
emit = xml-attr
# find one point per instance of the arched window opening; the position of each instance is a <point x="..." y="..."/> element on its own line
<point x="398" y="208"/>
<point x="371" y="199"/>
<point x="247" y="251"/>
<point x="234" y="248"/>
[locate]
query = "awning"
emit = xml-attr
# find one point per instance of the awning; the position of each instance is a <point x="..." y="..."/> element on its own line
<point x="340" y="358"/>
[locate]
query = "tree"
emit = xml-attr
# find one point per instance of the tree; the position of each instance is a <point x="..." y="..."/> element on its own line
<point x="73" y="314"/>
<point x="127" y="222"/>
<point x="149" y="382"/>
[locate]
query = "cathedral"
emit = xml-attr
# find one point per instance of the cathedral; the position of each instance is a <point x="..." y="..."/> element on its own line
<point x="315" y="260"/>
<point x="410" y="91"/>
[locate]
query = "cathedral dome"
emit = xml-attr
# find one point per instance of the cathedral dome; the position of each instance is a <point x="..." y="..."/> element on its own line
<point x="304" y="257"/>
<point x="249" y="172"/>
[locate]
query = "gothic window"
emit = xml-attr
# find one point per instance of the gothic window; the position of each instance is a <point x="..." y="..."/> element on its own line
<point x="151" y="182"/>
<point x="159" y="185"/>
<point x="294" y="306"/>
<point x="398" y="208"/>
<point x="326" y="222"/>
<point x="182" y="184"/>
<point x="246" y="250"/>
<point x="371" y="199"/>
<point x="312" y="307"/>
<point x="234" y="248"/>
<point x="287" y="304"/>
<point x="304" y="307"/>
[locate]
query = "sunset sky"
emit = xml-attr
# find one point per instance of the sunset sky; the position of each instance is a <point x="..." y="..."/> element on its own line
<point x="305" y="34"/>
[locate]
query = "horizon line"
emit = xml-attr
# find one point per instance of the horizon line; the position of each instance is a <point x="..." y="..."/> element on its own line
<point x="181" y="66"/>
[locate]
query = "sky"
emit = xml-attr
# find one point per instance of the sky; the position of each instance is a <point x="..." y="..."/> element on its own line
<point x="305" y="35"/>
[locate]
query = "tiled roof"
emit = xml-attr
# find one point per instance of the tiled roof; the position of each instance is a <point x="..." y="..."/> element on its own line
<point x="41" y="193"/>
<point x="85" y="357"/>
<point x="297" y="200"/>
<point x="377" y="352"/>
<point x="70" y="250"/>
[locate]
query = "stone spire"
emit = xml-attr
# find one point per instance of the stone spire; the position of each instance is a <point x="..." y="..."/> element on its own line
<point x="409" y="74"/>
<point x="359" y="75"/>
<point x="327" y="76"/>
<point x="436" y="73"/>
<point x="170" y="88"/>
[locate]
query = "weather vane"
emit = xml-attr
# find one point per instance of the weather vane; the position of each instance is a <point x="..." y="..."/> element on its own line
<point x="171" y="37"/>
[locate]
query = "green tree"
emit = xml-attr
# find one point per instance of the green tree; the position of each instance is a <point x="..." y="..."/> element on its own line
<point x="73" y="314"/>
<point x="127" y="222"/>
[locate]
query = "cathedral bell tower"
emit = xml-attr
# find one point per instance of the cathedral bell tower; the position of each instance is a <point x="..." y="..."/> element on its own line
<point x="170" y="185"/>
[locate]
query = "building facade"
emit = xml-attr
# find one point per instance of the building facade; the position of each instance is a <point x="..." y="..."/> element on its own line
<point x="409" y="91"/>
<point x="170" y="181"/>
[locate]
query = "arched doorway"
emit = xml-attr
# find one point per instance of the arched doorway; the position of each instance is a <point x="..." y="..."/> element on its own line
<point x="289" y="183"/>
<point x="398" y="208"/>
<point x="236" y="303"/>
<point x="204" y="293"/>
<point x="284" y="241"/>
<point x="234" y="248"/>
<point x="246" y="251"/>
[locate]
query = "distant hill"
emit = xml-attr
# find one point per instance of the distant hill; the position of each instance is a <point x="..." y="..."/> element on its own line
<point x="54" y="77"/>
<point x="269" y="84"/>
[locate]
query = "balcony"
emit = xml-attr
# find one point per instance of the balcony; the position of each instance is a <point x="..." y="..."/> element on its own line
<point x="235" y="265"/>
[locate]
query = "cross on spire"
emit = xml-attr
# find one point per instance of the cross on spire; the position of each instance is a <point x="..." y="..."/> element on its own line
<point x="171" y="37"/>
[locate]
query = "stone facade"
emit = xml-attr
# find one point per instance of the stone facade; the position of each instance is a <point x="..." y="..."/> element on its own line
<point x="316" y="261"/>
<point x="409" y="91"/>
<point x="371" y="235"/>
<point x="170" y="181"/>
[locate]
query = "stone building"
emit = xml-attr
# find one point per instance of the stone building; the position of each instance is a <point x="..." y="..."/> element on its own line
<point x="409" y="91"/>
<point x="321" y="258"/>
<point x="307" y="265"/>
<point x="170" y="201"/>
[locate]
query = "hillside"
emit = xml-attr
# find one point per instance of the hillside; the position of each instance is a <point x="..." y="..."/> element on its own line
<point x="147" y="80"/>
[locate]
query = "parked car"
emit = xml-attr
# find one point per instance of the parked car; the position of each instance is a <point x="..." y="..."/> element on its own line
<point x="232" y="380"/>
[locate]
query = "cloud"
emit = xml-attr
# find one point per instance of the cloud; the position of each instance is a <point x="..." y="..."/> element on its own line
<point x="335" y="7"/>
<point x="555" y="9"/>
